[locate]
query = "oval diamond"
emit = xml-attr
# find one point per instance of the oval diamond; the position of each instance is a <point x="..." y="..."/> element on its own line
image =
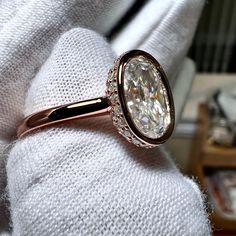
<point x="141" y="102"/>
<point x="146" y="97"/>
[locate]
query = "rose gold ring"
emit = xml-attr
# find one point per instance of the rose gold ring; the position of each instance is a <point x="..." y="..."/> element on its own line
<point x="138" y="99"/>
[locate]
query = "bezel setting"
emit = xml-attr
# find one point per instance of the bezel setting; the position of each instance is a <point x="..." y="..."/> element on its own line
<point x="120" y="115"/>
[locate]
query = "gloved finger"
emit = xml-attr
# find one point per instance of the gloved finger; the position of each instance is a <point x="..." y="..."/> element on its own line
<point x="27" y="34"/>
<point x="85" y="179"/>
<point x="28" y="31"/>
<point x="26" y="40"/>
<point x="165" y="30"/>
<point x="101" y="15"/>
<point x="8" y="9"/>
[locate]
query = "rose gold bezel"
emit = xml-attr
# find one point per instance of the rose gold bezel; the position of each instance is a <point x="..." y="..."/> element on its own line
<point x="118" y="70"/>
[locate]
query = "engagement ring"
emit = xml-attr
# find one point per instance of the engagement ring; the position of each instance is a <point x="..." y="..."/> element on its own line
<point x="138" y="99"/>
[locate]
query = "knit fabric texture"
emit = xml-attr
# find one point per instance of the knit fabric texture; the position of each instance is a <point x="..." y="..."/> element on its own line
<point x="28" y="31"/>
<point x="82" y="178"/>
<point x="165" y="29"/>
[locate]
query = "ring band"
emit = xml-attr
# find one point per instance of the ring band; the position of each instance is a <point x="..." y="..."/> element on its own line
<point x="138" y="99"/>
<point x="64" y="113"/>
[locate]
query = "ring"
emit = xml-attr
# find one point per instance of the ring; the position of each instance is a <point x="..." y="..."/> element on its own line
<point x="138" y="99"/>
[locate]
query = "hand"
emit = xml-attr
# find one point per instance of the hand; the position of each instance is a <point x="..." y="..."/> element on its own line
<point x="28" y="32"/>
<point x="86" y="179"/>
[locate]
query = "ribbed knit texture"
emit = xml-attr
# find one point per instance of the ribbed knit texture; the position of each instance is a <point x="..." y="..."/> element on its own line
<point x="84" y="178"/>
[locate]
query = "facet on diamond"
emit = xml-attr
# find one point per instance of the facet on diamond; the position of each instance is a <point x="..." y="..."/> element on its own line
<point x="146" y="97"/>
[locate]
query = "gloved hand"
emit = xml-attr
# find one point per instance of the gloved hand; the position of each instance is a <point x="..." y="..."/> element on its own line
<point x="28" y="31"/>
<point x="85" y="179"/>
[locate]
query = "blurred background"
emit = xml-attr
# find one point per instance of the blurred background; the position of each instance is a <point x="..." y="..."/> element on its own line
<point x="203" y="145"/>
<point x="213" y="49"/>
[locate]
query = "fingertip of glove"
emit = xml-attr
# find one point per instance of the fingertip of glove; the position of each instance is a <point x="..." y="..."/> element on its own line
<point x="85" y="38"/>
<point x="200" y="199"/>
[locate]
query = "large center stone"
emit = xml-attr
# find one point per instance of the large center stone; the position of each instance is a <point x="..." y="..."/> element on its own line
<point x="146" y="97"/>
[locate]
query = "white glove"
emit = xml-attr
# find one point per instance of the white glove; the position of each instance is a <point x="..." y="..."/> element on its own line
<point x="28" y="31"/>
<point x="164" y="29"/>
<point x="85" y="179"/>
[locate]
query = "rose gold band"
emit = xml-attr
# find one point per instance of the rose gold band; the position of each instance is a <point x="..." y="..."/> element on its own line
<point x="64" y="113"/>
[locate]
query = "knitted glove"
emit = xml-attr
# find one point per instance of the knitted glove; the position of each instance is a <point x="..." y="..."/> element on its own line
<point x="28" y="31"/>
<point x="165" y="29"/>
<point x="85" y="179"/>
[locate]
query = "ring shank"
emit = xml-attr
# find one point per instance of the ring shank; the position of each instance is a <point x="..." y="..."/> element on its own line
<point x="64" y="113"/>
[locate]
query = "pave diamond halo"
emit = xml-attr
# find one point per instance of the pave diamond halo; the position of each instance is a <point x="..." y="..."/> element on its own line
<point x="142" y="107"/>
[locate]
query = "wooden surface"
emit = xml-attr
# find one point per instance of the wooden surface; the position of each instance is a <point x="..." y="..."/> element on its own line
<point x="204" y="156"/>
<point x="219" y="157"/>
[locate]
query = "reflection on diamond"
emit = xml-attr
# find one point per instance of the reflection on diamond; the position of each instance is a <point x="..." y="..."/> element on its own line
<point x="146" y="97"/>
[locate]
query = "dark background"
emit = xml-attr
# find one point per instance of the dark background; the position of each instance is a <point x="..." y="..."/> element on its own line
<point x="213" y="47"/>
